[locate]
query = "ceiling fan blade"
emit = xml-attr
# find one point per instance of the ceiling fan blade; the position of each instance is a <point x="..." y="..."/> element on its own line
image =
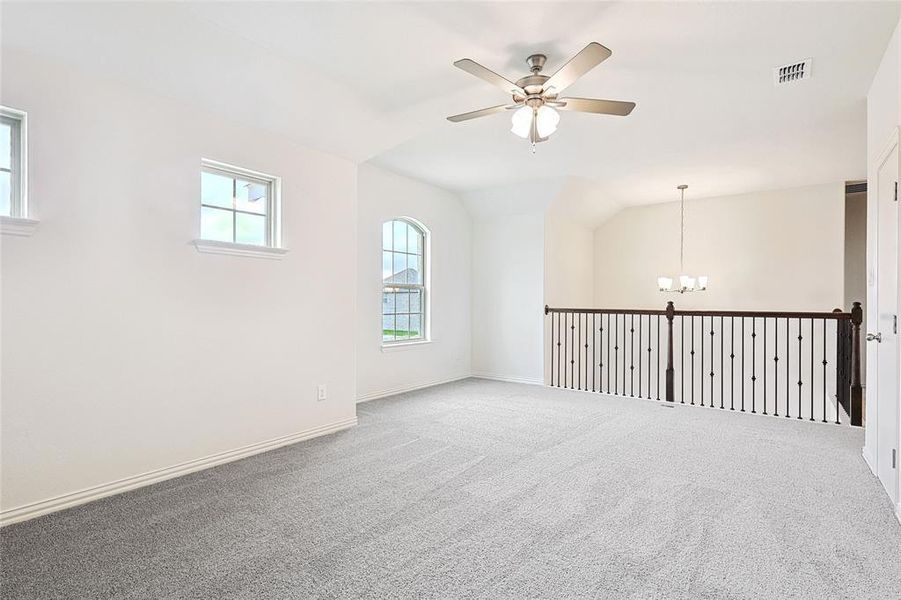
<point x="588" y="58"/>
<point x="486" y="74"/>
<point x="603" y="107"/>
<point x="481" y="113"/>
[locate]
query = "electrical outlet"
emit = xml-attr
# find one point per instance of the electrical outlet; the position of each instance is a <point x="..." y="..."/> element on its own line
<point x="322" y="392"/>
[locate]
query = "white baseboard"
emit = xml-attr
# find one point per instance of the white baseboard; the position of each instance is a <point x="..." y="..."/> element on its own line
<point x="406" y="388"/>
<point x="508" y="378"/>
<point x="867" y="458"/>
<point x="43" y="507"/>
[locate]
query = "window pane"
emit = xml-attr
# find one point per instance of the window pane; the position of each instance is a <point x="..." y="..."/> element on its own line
<point x="216" y="224"/>
<point x="386" y="235"/>
<point x="414" y="273"/>
<point x="402" y="301"/>
<point x="216" y="190"/>
<point x="387" y="264"/>
<point x="400" y="236"/>
<point x="387" y="328"/>
<point x="5" y="146"/>
<point x="416" y="326"/>
<point x="5" y="201"/>
<point x="251" y="196"/>
<point x="402" y="327"/>
<point x="400" y="266"/>
<point x="414" y="240"/>
<point x="416" y="301"/>
<point x="388" y="303"/>
<point x="250" y="229"/>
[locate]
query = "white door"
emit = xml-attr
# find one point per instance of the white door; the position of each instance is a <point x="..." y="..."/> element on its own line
<point x="887" y="410"/>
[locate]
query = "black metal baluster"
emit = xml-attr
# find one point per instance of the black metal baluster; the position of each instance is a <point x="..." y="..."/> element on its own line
<point x="776" y="366"/>
<point x="632" y="356"/>
<point x="787" y="369"/>
<point x="825" y="420"/>
<point x="682" y="357"/>
<point x="692" y="353"/>
<point x="624" y="354"/>
<point x="616" y="355"/>
<point x="586" y="350"/>
<point x="578" y="353"/>
<point x="608" y="353"/>
<point x="594" y="347"/>
<point x="722" y="357"/>
<point x="732" y="363"/>
<point x="812" y="367"/>
<point x="601" y="344"/>
<point x="572" y="353"/>
<point x="701" y="371"/>
<point x="754" y="365"/>
<point x="639" y="355"/>
<point x="712" y="362"/>
<point x="764" y="365"/>
<point x="742" y="364"/>
<point x="649" y="353"/>
<point x="837" y="411"/>
<point x="800" y="367"/>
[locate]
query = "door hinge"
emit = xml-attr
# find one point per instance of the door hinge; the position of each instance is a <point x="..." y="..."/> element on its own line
<point x="895" y="324"/>
<point x="896" y="191"/>
<point x="894" y="457"/>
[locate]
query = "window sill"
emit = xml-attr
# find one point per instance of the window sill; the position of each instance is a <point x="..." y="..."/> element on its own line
<point x="17" y="226"/>
<point x="398" y="346"/>
<point x="249" y="250"/>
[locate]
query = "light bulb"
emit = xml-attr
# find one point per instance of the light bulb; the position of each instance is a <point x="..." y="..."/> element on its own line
<point x="522" y="122"/>
<point x="548" y="118"/>
<point x="686" y="282"/>
<point x="702" y="282"/>
<point x="664" y="283"/>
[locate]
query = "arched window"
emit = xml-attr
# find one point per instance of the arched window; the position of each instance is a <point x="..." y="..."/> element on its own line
<point x="404" y="291"/>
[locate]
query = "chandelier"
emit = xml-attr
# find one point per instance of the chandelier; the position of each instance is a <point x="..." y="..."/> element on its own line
<point x="686" y="283"/>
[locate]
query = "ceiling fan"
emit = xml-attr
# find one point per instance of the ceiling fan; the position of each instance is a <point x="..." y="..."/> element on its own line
<point x="536" y="96"/>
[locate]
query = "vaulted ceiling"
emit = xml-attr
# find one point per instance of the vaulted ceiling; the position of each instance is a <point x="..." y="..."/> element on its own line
<point x="375" y="81"/>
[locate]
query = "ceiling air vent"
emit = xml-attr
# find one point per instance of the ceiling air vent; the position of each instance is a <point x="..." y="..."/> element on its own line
<point x="793" y="72"/>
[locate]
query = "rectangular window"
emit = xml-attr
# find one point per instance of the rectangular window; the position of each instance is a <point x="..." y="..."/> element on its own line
<point x="238" y="206"/>
<point x="13" y="159"/>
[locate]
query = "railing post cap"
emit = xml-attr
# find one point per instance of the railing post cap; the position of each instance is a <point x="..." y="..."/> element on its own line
<point x="670" y="310"/>
<point x="856" y="313"/>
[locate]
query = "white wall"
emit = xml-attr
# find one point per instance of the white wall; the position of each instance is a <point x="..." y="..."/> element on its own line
<point x="883" y="118"/>
<point x="124" y="349"/>
<point x="507" y="299"/>
<point x="383" y="195"/>
<point x="568" y="262"/>
<point x="779" y="250"/>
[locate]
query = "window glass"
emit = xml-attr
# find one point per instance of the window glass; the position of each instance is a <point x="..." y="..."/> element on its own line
<point x="235" y="207"/>
<point x="403" y="277"/>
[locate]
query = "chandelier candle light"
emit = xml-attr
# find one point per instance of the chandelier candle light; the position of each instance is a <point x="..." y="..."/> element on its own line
<point x="687" y="283"/>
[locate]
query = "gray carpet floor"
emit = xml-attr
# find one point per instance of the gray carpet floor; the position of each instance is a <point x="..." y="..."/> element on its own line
<point x="482" y="489"/>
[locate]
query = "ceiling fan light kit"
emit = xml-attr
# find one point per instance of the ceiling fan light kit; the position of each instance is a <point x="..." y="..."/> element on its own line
<point x="536" y="98"/>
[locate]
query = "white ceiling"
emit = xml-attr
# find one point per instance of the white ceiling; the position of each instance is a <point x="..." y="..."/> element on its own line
<point x="374" y="81"/>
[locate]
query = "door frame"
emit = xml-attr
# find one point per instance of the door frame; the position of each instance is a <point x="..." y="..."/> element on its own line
<point x="872" y="442"/>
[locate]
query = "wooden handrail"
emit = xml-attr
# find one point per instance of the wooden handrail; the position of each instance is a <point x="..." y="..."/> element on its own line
<point x="767" y="314"/>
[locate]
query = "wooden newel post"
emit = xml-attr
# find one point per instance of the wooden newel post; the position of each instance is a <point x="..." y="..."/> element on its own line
<point x="856" y="389"/>
<point x="670" y="372"/>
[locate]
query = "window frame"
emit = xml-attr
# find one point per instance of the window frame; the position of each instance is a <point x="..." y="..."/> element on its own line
<point x="424" y="287"/>
<point x="18" y="180"/>
<point x="273" y="206"/>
